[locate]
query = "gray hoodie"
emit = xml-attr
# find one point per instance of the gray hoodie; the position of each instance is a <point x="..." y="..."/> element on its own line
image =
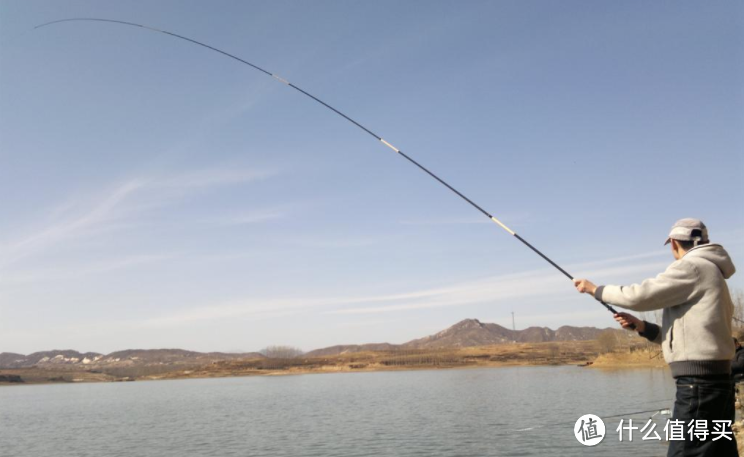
<point x="695" y="334"/>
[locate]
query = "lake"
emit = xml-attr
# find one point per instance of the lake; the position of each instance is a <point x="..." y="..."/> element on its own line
<point x="468" y="412"/>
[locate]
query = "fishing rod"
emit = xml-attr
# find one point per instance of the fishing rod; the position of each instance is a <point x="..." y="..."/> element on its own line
<point x="374" y="135"/>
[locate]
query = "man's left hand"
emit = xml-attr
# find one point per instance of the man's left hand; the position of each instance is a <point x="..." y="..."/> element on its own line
<point x="585" y="286"/>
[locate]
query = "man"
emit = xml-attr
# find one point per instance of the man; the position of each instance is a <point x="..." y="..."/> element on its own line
<point x="695" y="333"/>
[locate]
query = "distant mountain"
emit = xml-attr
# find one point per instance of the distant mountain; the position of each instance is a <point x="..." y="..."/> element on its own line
<point x="466" y="333"/>
<point x="11" y="360"/>
<point x="469" y="332"/>
<point x="132" y="357"/>
<point x="472" y="332"/>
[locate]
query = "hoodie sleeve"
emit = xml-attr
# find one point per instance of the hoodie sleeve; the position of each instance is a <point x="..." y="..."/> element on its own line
<point x="670" y="288"/>
<point x="652" y="332"/>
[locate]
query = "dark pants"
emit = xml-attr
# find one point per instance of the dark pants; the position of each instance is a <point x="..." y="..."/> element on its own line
<point x="708" y="398"/>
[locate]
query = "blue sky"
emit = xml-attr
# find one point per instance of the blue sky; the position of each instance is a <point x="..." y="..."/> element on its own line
<point x="157" y="194"/>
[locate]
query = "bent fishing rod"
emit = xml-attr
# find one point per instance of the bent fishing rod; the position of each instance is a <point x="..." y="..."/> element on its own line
<point x="374" y="135"/>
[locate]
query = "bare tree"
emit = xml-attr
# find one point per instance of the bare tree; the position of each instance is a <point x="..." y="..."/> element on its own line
<point x="607" y="341"/>
<point x="554" y="350"/>
<point x="282" y="352"/>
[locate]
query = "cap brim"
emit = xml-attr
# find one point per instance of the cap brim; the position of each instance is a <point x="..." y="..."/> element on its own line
<point x="669" y="240"/>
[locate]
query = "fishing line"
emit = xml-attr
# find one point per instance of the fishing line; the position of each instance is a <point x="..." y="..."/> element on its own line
<point x="656" y="412"/>
<point x="635" y="413"/>
<point x="377" y="137"/>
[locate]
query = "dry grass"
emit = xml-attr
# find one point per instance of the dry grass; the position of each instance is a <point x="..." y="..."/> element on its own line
<point x="638" y="357"/>
<point x="409" y="359"/>
<point x="626" y="353"/>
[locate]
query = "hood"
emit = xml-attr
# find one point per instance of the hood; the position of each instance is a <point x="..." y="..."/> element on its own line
<point x="716" y="254"/>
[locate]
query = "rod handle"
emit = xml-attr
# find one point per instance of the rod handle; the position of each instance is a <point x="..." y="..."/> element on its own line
<point x="613" y="311"/>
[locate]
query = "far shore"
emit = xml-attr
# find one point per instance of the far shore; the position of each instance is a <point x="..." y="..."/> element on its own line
<point x="578" y="353"/>
<point x="208" y="374"/>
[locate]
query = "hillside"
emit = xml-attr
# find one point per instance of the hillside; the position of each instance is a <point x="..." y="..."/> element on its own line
<point x="472" y="333"/>
<point x="11" y="360"/>
<point x="128" y="358"/>
<point x="439" y="347"/>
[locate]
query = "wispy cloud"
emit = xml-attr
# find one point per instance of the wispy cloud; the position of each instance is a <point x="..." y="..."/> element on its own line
<point x="230" y="310"/>
<point x="512" y="287"/>
<point x="445" y="221"/>
<point x="121" y="206"/>
<point x="80" y="271"/>
<point x="492" y="290"/>
<point x="59" y="231"/>
<point x="362" y="323"/>
<point x="249" y="218"/>
<point x="334" y="243"/>
<point x="210" y="178"/>
<point x="514" y="218"/>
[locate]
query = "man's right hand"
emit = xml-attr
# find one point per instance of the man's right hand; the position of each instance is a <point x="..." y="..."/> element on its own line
<point x="627" y="321"/>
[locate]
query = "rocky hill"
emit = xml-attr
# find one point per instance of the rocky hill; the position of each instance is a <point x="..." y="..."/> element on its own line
<point x="11" y="360"/>
<point x="470" y="333"/>
<point x="128" y="358"/>
<point x="466" y="333"/>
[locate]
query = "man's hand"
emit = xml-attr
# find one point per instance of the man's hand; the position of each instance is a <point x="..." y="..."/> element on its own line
<point x="627" y="321"/>
<point x="585" y="286"/>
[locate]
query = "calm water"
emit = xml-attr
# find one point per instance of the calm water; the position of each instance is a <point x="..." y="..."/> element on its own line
<point x="419" y="413"/>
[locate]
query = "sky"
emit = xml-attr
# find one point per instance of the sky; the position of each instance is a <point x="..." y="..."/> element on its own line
<point x="156" y="194"/>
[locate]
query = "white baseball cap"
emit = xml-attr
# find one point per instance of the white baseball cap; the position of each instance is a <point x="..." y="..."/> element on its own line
<point x="688" y="230"/>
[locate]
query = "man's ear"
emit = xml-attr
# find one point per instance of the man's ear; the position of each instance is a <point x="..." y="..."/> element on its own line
<point x="676" y="251"/>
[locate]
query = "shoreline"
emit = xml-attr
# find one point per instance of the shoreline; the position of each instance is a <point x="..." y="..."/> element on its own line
<point x="282" y="373"/>
<point x="579" y="353"/>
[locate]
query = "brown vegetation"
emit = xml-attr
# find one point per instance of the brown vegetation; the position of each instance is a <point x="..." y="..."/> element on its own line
<point x="641" y="356"/>
<point x="281" y="352"/>
<point x="512" y="354"/>
<point x="607" y="341"/>
<point x="468" y="343"/>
